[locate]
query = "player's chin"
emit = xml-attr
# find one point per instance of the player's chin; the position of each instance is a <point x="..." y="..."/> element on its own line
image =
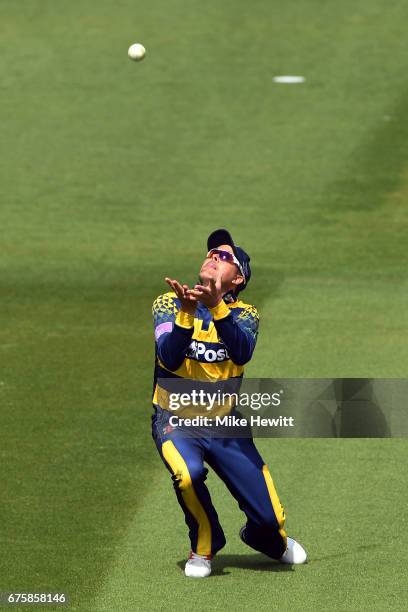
<point x="206" y="276"/>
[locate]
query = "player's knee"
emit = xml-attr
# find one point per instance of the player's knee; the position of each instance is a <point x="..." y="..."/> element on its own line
<point x="189" y="477"/>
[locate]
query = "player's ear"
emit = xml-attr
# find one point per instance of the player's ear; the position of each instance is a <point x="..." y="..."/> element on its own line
<point x="238" y="280"/>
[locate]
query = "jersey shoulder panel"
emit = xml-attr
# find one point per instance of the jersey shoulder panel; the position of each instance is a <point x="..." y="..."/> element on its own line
<point x="165" y="307"/>
<point x="246" y="310"/>
<point x="248" y="316"/>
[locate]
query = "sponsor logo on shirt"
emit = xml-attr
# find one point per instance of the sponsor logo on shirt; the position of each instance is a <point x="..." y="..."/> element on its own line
<point x="208" y="352"/>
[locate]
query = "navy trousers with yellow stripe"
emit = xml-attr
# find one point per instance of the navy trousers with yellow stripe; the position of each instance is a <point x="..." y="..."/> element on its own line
<point x="238" y="463"/>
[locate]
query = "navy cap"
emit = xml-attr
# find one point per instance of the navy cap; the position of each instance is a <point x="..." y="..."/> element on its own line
<point x="222" y="236"/>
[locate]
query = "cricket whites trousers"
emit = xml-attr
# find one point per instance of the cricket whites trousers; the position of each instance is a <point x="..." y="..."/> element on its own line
<point x="238" y="463"/>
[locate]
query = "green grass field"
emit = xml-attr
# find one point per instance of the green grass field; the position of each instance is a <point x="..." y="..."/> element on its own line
<point x="113" y="174"/>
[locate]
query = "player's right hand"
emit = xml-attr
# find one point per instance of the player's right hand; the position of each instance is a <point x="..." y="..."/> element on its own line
<point x="188" y="302"/>
<point x="211" y="294"/>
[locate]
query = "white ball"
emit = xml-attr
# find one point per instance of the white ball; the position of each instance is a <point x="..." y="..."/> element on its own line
<point x="136" y="52"/>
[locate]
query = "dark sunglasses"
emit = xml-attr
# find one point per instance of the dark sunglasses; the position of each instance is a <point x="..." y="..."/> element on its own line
<point x="226" y="256"/>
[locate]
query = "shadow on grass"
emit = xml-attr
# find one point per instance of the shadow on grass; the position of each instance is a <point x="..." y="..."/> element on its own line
<point x="256" y="562"/>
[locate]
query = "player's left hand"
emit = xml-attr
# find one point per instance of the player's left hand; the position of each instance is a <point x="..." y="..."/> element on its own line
<point x="209" y="295"/>
<point x="188" y="302"/>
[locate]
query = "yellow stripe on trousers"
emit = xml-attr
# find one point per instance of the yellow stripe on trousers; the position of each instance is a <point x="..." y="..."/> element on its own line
<point x="277" y="507"/>
<point x="180" y="470"/>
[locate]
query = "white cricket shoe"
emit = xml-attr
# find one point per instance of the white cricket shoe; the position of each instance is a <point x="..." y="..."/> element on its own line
<point x="198" y="566"/>
<point x="295" y="554"/>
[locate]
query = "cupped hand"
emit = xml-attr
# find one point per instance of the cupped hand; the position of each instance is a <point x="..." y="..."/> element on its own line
<point x="188" y="302"/>
<point x="210" y="295"/>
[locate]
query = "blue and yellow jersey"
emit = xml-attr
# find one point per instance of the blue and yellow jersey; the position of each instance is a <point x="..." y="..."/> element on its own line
<point x="212" y="345"/>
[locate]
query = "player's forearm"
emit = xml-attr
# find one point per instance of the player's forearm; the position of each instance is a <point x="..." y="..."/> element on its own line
<point x="239" y="343"/>
<point x="172" y="347"/>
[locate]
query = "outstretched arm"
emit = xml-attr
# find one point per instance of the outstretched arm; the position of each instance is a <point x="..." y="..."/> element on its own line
<point x="173" y="325"/>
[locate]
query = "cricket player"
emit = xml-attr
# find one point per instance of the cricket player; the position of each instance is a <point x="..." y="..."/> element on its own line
<point x="208" y="333"/>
